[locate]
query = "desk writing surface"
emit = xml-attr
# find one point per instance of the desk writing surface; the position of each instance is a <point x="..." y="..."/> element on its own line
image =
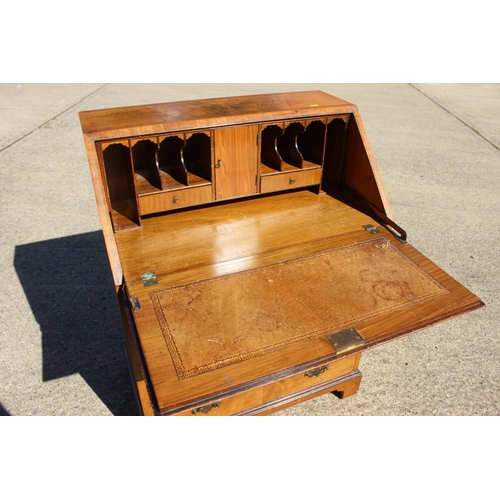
<point x="251" y="288"/>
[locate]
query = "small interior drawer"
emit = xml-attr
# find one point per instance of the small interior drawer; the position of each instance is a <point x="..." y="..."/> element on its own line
<point x="171" y="200"/>
<point x="290" y="180"/>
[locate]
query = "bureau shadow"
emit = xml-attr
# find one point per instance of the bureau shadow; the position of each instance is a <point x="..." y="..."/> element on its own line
<point x="68" y="284"/>
<point x="3" y="411"/>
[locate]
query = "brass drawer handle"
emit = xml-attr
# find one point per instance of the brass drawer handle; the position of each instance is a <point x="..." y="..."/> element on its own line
<point x="205" y="409"/>
<point x="175" y="200"/>
<point x="316" y="372"/>
<point x="291" y="181"/>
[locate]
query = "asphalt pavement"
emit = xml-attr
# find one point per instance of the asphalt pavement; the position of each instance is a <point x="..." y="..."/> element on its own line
<point x="61" y="342"/>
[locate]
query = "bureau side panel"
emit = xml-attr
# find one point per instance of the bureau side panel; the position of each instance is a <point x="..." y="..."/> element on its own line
<point x="103" y="210"/>
<point x="361" y="172"/>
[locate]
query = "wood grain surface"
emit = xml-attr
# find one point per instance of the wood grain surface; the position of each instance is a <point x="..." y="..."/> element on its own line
<point x="252" y="213"/>
<point x="217" y="241"/>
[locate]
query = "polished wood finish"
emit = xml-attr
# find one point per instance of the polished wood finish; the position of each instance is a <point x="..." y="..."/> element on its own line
<point x="267" y="227"/>
<point x="181" y="119"/>
<point x="175" y="199"/>
<point x="132" y="121"/>
<point x="290" y="390"/>
<point x="290" y="180"/>
<point x="358" y="171"/>
<point x="235" y="162"/>
<point x="250" y="235"/>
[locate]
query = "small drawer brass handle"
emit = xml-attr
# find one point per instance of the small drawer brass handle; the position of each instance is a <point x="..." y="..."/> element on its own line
<point x="205" y="409"/>
<point x="316" y="372"/>
<point x="291" y="181"/>
<point x="175" y="200"/>
<point x="219" y="164"/>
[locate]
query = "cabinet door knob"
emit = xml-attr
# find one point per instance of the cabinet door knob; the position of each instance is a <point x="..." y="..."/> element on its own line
<point x="219" y="164"/>
<point x="175" y="200"/>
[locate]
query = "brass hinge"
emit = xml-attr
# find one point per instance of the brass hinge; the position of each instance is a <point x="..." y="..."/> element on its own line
<point x="371" y="228"/>
<point x="136" y="304"/>
<point x="149" y="278"/>
<point x="346" y="340"/>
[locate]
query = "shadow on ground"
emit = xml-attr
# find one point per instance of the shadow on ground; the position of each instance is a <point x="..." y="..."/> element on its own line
<point x="69" y="288"/>
<point x="3" y="411"/>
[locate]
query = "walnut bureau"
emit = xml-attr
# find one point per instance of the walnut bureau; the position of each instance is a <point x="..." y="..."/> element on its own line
<point x="253" y="250"/>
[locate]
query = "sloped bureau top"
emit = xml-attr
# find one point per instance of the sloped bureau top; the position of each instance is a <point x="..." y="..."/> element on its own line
<point x="189" y="115"/>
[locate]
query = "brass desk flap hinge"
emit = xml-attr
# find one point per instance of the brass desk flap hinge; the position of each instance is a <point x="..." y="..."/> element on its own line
<point x="346" y="340"/>
<point x="371" y="228"/>
<point x="135" y="304"/>
<point x="149" y="278"/>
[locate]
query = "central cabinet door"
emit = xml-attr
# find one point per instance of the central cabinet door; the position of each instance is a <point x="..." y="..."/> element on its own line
<point x="236" y="162"/>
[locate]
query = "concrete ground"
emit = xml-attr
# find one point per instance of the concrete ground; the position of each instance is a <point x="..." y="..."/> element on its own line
<point x="61" y="343"/>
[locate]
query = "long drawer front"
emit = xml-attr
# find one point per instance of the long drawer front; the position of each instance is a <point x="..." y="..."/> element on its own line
<point x="273" y="396"/>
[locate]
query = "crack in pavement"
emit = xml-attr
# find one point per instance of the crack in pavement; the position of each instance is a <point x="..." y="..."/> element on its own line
<point x="455" y="116"/>
<point x="51" y="119"/>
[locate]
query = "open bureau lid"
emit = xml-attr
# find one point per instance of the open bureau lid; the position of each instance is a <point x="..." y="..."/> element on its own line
<point x="295" y="262"/>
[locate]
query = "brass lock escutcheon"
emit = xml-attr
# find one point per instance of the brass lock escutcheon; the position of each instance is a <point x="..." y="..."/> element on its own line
<point x="346" y="340"/>
<point x="316" y="372"/>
